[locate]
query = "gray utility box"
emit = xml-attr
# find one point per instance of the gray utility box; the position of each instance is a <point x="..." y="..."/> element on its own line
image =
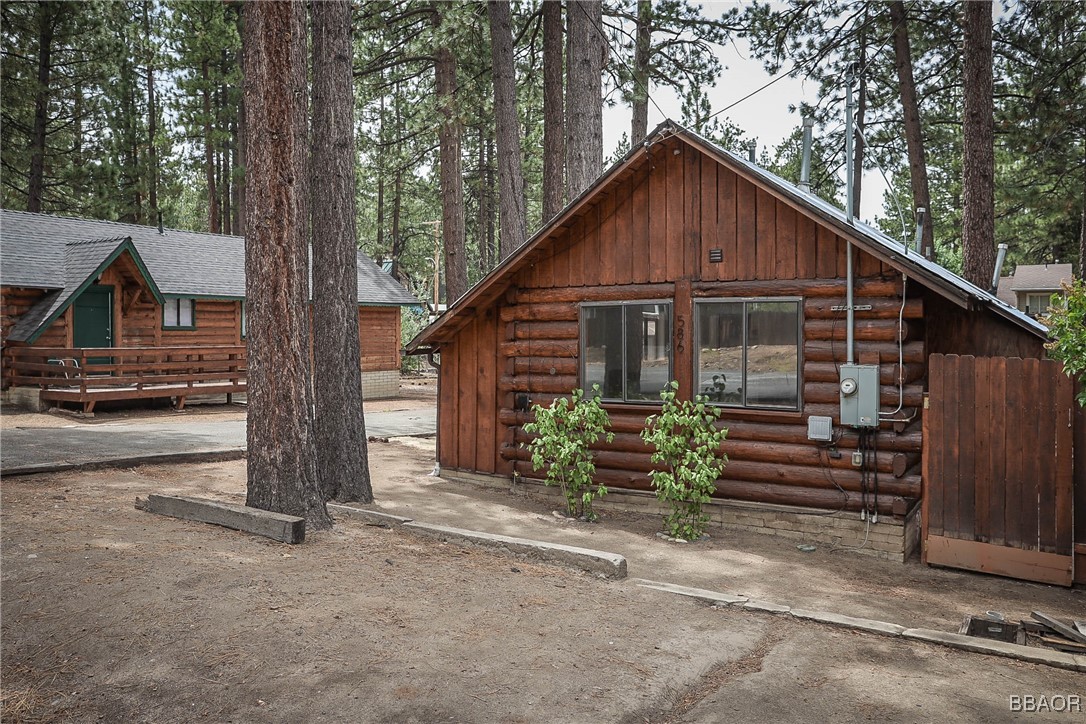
<point x="860" y="395"/>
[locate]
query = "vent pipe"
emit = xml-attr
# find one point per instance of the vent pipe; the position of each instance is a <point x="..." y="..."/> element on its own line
<point x="805" y="166"/>
<point x="752" y="150"/>
<point x="161" y="231"/>
<point x="1001" y="254"/>
<point x="918" y="238"/>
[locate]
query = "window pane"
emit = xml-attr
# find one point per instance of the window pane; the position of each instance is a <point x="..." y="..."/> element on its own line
<point x="720" y="352"/>
<point x="648" y="350"/>
<point x="773" y="354"/>
<point x="603" y="350"/>
<point x="184" y="317"/>
<point x="169" y="313"/>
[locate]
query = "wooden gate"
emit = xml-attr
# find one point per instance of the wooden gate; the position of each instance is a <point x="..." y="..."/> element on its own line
<point x="998" y="466"/>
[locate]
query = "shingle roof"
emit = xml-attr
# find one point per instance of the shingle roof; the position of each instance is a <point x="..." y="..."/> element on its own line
<point x="1040" y="277"/>
<point x="182" y="263"/>
<point x="929" y="273"/>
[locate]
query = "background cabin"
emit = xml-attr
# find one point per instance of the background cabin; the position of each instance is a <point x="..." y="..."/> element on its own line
<point x="1031" y="287"/>
<point x="687" y="262"/>
<point x="96" y="310"/>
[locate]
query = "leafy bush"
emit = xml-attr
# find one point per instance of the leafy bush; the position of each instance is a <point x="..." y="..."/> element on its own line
<point x="687" y="442"/>
<point x="564" y="431"/>
<point x="1067" y="327"/>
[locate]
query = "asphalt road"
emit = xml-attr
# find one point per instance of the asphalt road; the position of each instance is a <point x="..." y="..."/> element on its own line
<point x="42" y="449"/>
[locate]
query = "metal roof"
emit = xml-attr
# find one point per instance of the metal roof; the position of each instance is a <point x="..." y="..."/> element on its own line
<point x="33" y="253"/>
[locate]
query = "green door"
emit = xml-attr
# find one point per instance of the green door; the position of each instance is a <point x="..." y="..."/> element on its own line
<point x="93" y="323"/>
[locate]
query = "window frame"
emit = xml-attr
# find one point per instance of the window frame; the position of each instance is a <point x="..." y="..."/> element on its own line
<point x="798" y="301"/>
<point x="166" y="326"/>
<point x="670" y="303"/>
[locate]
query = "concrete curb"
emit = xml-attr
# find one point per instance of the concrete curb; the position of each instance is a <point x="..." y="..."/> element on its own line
<point x="371" y="517"/>
<point x="607" y="565"/>
<point x="210" y="456"/>
<point x="1057" y="659"/>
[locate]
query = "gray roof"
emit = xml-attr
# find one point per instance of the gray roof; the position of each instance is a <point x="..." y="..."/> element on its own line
<point x="1040" y="277"/>
<point x="34" y="253"/>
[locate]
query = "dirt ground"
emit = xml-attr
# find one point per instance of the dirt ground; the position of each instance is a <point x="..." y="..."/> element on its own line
<point x="113" y="614"/>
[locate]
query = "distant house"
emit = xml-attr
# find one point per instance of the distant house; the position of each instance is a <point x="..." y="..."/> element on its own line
<point x="1031" y="286"/>
<point x="152" y="298"/>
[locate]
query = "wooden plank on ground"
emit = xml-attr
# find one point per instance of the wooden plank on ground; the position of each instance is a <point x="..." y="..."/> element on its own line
<point x="1059" y="627"/>
<point x="277" y="526"/>
<point x="999" y="560"/>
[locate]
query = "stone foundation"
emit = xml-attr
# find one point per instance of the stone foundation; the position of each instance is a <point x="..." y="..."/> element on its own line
<point x="26" y="399"/>
<point x="381" y="384"/>
<point x="891" y="538"/>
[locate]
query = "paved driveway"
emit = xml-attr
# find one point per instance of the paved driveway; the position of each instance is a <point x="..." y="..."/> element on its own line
<point x="39" y="449"/>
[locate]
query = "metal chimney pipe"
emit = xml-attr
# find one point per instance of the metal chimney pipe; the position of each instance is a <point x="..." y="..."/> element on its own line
<point x="752" y="150"/>
<point x="1001" y="254"/>
<point x="918" y="238"/>
<point x="805" y="165"/>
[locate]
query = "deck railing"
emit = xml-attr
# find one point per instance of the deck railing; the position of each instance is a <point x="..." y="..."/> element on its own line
<point x="88" y="374"/>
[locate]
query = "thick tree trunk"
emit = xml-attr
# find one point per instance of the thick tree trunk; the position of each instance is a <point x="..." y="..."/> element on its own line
<point x="342" y="454"/>
<point x="639" y="126"/>
<point x="36" y="181"/>
<point x="554" y="155"/>
<point x="978" y="156"/>
<point x="584" y="96"/>
<point x="152" y="121"/>
<point x="281" y="464"/>
<point x="914" y="137"/>
<point x="214" y="223"/>
<point x="453" y="226"/>
<point x="511" y="216"/>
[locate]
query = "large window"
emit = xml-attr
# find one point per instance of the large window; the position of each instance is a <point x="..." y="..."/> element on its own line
<point x="748" y="352"/>
<point x="626" y="349"/>
<point x="179" y="314"/>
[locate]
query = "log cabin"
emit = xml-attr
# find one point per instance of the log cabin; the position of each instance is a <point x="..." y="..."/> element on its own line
<point x="97" y="310"/>
<point x="686" y="262"/>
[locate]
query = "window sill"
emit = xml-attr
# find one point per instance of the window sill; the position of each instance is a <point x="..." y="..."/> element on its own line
<point x="179" y="329"/>
<point x="750" y="415"/>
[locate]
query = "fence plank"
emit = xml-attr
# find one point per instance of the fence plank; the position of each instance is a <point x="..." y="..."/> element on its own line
<point x="1016" y="421"/>
<point x="997" y="452"/>
<point x="934" y="450"/>
<point x="1046" y="448"/>
<point x="1065" y="482"/>
<point x="966" y="447"/>
<point x="982" y="414"/>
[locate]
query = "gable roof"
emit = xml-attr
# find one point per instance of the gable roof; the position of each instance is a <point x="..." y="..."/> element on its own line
<point x="865" y="237"/>
<point x="182" y="263"/>
<point x="1039" y="277"/>
<point x="84" y="261"/>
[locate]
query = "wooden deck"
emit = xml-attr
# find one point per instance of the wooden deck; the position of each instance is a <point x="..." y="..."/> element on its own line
<point x="86" y="375"/>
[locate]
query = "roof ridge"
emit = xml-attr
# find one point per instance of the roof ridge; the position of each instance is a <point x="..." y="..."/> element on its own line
<point x="119" y="223"/>
<point x="106" y="240"/>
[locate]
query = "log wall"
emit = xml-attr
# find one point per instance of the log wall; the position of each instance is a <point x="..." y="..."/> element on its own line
<point x="649" y="237"/>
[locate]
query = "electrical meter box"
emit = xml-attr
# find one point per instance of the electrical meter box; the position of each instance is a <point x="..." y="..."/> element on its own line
<point x="860" y="395"/>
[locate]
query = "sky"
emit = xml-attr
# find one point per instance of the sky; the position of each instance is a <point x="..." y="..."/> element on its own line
<point x="765" y="116"/>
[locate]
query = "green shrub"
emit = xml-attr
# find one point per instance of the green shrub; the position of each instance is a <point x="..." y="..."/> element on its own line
<point x="1067" y="327"/>
<point x="687" y="442"/>
<point x="564" y="431"/>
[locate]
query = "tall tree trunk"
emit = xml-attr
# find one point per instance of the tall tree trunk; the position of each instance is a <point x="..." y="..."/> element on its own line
<point x="214" y="223"/>
<point x="861" y="116"/>
<point x="453" y="228"/>
<point x="914" y="136"/>
<point x="554" y="155"/>
<point x="978" y="155"/>
<point x="281" y="463"/>
<point x="484" y="201"/>
<point x="36" y="181"/>
<point x="584" y="96"/>
<point x="342" y="455"/>
<point x="152" y="119"/>
<point x="639" y="126"/>
<point x="507" y="128"/>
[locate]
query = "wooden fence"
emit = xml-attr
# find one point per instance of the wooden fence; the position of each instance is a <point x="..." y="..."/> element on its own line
<point x="86" y="375"/>
<point x="998" y="467"/>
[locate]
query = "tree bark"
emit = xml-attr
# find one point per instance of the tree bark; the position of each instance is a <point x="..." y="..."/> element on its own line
<point x="214" y="223"/>
<point x="978" y="156"/>
<point x="914" y="136"/>
<point x="639" y="126"/>
<point x="453" y="227"/>
<point x="281" y="462"/>
<point x="152" y="120"/>
<point x="511" y="215"/>
<point x="861" y="116"/>
<point x="553" y="112"/>
<point x="342" y="454"/>
<point x="584" y="96"/>
<point x="36" y="180"/>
